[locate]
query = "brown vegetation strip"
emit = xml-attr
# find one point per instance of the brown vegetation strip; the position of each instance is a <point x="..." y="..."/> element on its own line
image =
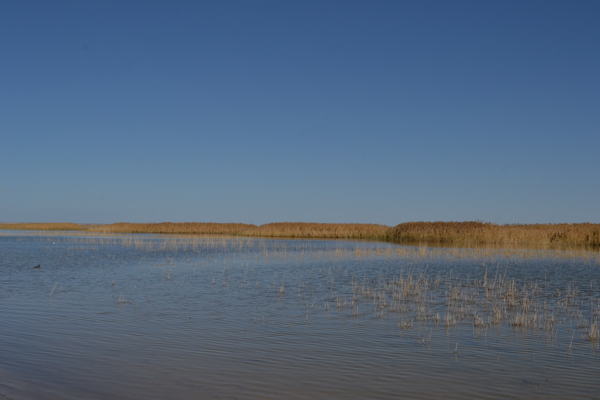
<point x="479" y="232"/>
<point x="314" y="230"/>
<point x="49" y="226"/>
<point x="280" y="229"/>
<point x="198" y="228"/>
<point x="459" y="233"/>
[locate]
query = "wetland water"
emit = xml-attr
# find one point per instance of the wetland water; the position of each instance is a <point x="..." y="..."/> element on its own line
<point x="154" y="317"/>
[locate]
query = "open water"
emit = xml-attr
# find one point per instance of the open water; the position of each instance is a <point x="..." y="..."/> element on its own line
<point x="155" y="317"/>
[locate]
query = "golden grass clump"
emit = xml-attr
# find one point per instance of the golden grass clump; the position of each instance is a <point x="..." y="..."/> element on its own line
<point x="485" y="232"/>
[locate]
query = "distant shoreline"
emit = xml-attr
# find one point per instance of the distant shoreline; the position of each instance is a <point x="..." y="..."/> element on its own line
<point x="456" y="233"/>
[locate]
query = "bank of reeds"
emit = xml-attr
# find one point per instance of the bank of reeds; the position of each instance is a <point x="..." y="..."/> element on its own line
<point x="462" y="233"/>
<point x="315" y="230"/>
<point x="451" y="233"/>
<point x="279" y="229"/>
<point x="196" y="228"/>
<point x="49" y="226"/>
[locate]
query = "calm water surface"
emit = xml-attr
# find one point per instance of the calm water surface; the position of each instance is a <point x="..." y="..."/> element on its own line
<point x="154" y="317"/>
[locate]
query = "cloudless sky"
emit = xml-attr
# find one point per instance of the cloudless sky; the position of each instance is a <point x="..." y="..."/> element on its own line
<point x="314" y="111"/>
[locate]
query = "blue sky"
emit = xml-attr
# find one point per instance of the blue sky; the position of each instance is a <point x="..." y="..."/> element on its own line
<point x="315" y="111"/>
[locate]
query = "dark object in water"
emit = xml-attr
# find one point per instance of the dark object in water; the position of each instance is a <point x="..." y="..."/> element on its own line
<point x="37" y="266"/>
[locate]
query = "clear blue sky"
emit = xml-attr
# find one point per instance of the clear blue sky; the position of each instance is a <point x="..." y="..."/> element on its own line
<point x="315" y="111"/>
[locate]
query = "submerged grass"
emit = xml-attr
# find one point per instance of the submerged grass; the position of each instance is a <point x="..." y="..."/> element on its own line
<point x="451" y="233"/>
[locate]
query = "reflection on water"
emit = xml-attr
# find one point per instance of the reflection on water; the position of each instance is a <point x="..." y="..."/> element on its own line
<point x="156" y="317"/>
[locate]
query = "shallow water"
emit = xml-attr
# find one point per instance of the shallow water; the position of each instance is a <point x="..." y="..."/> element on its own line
<point x="156" y="317"/>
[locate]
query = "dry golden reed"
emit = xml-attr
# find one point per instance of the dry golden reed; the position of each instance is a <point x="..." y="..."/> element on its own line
<point x="315" y="230"/>
<point x="279" y="229"/>
<point x="484" y="232"/>
<point x="46" y="226"/>
<point x="198" y="228"/>
<point x="453" y="233"/>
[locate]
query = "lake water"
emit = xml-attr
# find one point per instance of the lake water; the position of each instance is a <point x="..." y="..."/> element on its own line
<point x="155" y="317"/>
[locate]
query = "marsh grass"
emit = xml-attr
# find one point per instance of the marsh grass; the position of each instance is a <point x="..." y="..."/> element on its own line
<point x="481" y="232"/>
<point x="197" y="228"/>
<point x="279" y="229"/>
<point x="52" y="226"/>
<point x="454" y="233"/>
<point x="421" y="301"/>
<point x="315" y="230"/>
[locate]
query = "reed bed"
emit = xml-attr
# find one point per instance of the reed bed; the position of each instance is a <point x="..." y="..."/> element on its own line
<point x="279" y="229"/>
<point x="315" y="230"/>
<point x="585" y="234"/>
<point x="449" y="233"/>
<point x="197" y="228"/>
<point x="50" y="226"/>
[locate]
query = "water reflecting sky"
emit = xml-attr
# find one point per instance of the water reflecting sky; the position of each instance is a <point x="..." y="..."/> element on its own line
<point x="153" y="317"/>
